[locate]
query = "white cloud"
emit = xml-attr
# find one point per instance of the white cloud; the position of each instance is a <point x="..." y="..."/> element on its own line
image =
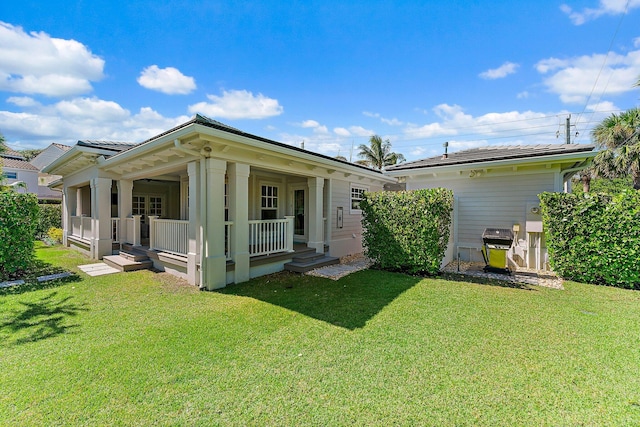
<point x="309" y="124"/>
<point x="501" y="72"/>
<point x="605" y="7"/>
<point x="23" y="101"/>
<point x="37" y="63"/>
<point x="166" y="80"/>
<point x="238" y="104"/>
<point x="636" y="42"/>
<point x="360" y="131"/>
<point x="82" y="118"/>
<point x="390" y="122"/>
<point x="342" y="132"/>
<point x="523" y="95"/>
<point x="573" y="79"/>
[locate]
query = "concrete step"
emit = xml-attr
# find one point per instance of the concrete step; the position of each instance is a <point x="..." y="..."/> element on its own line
<point x="303" y="267"/>
<point x="134" y="256"/>
<point x="124" y="264"/>
<point x="307" y="256"/>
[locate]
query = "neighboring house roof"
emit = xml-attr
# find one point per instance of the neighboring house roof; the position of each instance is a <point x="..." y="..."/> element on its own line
<point x="11" y="163"/>
<point x="49" y="154"/>
<point x="8" y="153"/>
<point x="494" y="153"/>
<point x="116" y="147"/>
<point x="61" y="146"/>
<point x="46" y="193"/>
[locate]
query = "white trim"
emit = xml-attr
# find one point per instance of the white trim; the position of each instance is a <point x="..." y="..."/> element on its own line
<point x="352" y="187"/>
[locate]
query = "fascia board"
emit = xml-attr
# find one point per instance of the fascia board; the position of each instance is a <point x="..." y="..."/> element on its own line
<point x="528" y="161"/>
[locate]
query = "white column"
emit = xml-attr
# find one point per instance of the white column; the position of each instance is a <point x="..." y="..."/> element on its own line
<point x="125" y="206"/>
<point x="101" y="217"/>
<point x="79" y="200"/>
<point x="69" y="205"/>
<point x="152" y="231"/>
<point x="239" y="214"/>
<point x="193" y="252"/>
<point x="215" y="261"/>
<point x="316" y="239"/>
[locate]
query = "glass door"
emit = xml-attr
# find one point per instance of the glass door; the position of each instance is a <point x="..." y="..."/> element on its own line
<point x="145" y="206"/>
<point x="299" y="198"/>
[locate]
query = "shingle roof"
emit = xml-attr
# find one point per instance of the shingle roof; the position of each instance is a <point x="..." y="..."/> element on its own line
<point x="17" y="164"/>
<point x="493" y="153"/>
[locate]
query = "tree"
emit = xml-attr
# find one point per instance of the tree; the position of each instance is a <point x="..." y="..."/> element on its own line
<point x="378" y="154"/>
<point x="30" y="153"/>
<point x="619" y="138"/>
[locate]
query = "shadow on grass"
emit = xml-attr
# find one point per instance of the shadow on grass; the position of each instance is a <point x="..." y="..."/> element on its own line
<point x="42" y="319"/>
<point x="459" y="277"/>
<point x="349" y="302"/>
<point x="39" y="268"/>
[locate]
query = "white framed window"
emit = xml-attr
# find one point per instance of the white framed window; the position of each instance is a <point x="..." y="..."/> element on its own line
<point x="356" y="196"/>
<point x="269" y="196"/>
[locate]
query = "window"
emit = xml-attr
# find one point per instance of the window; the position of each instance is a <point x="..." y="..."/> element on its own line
<point x="356" y="197"/>
<point x="269" y="202"/>
<point x="10" y="175"/>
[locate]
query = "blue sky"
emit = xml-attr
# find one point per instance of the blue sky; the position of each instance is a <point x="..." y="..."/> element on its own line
<point x="329" y="73"/>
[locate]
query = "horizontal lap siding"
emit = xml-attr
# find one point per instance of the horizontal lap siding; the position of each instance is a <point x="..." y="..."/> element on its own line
<point x="341" y="197"/>
<point x="497" y="202"/>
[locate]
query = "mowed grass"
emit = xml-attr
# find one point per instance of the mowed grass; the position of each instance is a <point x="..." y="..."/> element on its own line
<point x="373" y="348"/>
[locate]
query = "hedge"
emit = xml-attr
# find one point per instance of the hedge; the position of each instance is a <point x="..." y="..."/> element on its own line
<point x="50" y="217"/>
<point x="407" y="230"/>
<point x="18" y="221"/>
<point x="594" y="238"/>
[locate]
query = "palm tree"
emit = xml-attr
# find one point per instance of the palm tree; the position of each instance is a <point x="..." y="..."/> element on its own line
<point x="379" y="154"/>
<point x="619" y="137"/>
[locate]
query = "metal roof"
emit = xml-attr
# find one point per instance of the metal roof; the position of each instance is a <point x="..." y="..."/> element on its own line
<point x="493" y="153"/>
<point x="116" y="147"/>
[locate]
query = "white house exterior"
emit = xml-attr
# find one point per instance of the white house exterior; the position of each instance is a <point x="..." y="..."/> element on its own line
<point x="498" y="187"/>
<point x="215" y="204"/>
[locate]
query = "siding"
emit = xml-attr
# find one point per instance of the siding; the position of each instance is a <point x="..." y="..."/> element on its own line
<point x="489" y="201"/>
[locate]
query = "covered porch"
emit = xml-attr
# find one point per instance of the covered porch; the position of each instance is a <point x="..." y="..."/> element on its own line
<point x="210" y="221"/>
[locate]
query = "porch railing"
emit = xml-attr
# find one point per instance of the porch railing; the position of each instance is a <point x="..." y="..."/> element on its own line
<point x="270" y="236"/>
<point x="81" y="227"/>
<point x="169" y="235"/>
<point x="115" y="230"/>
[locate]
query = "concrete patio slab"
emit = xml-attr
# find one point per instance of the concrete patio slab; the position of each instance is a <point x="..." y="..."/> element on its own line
<point x="98" y="269"/>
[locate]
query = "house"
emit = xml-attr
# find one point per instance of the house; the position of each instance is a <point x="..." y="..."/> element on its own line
<point x="46" y="156"/>
<point x="16" y="169"/>
<point x="498" y="187"/>
<point x="210" y="203"/>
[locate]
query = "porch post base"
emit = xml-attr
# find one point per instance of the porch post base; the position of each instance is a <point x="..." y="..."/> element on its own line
<point x="192" y="269"/>
<point x="216" y="272"/>
<point x="102" y="247"/>
<point x="241" y="273"/>
<point x="318" y="246"/>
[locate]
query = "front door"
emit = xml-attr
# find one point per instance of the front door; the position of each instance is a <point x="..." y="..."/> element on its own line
<point x="147" y="205"/>
<point x="298" y="195"/>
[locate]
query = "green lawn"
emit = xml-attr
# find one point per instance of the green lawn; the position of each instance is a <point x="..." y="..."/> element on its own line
<point x="373" y="348"/>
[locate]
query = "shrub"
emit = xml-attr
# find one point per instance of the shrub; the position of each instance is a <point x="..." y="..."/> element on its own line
<point x="55" y="235"/>
<point x="594" y="238"/>
<point x="407" y="230"/>
<point x="18" y="220"/>
<point x="50" y="216"/>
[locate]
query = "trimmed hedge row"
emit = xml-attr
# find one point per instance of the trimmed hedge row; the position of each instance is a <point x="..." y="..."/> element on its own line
<point x="407" y="230"/>
<point x="594" y="238"/>
<point x="18" y="221"/>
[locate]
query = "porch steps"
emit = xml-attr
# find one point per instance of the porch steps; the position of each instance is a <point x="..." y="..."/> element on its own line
<point x="309" y="260"/>
<point x="128" y="261"/>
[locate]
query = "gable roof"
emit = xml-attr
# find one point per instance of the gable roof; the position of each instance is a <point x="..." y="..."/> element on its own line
<point x="494" y="153"/>
<point x="8" y="153"/>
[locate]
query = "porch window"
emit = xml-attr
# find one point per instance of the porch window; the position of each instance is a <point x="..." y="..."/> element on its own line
<point x="356" y="196"/>
<point x="269" y="202"/>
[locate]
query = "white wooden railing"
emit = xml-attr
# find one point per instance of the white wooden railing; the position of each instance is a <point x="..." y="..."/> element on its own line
<point x="81" y="227"/>
<point x="115" y="230"/>
<point x="169" y="235"/>
<point x="270" y="236"/>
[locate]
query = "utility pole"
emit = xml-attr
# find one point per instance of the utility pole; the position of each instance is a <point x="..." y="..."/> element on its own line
<point x="568" y="129"/>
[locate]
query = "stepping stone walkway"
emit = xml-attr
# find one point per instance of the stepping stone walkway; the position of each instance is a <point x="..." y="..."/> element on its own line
<point x="337" y="271"/>
<point x="40" y="279"/>
<point x="98" y="269"/>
